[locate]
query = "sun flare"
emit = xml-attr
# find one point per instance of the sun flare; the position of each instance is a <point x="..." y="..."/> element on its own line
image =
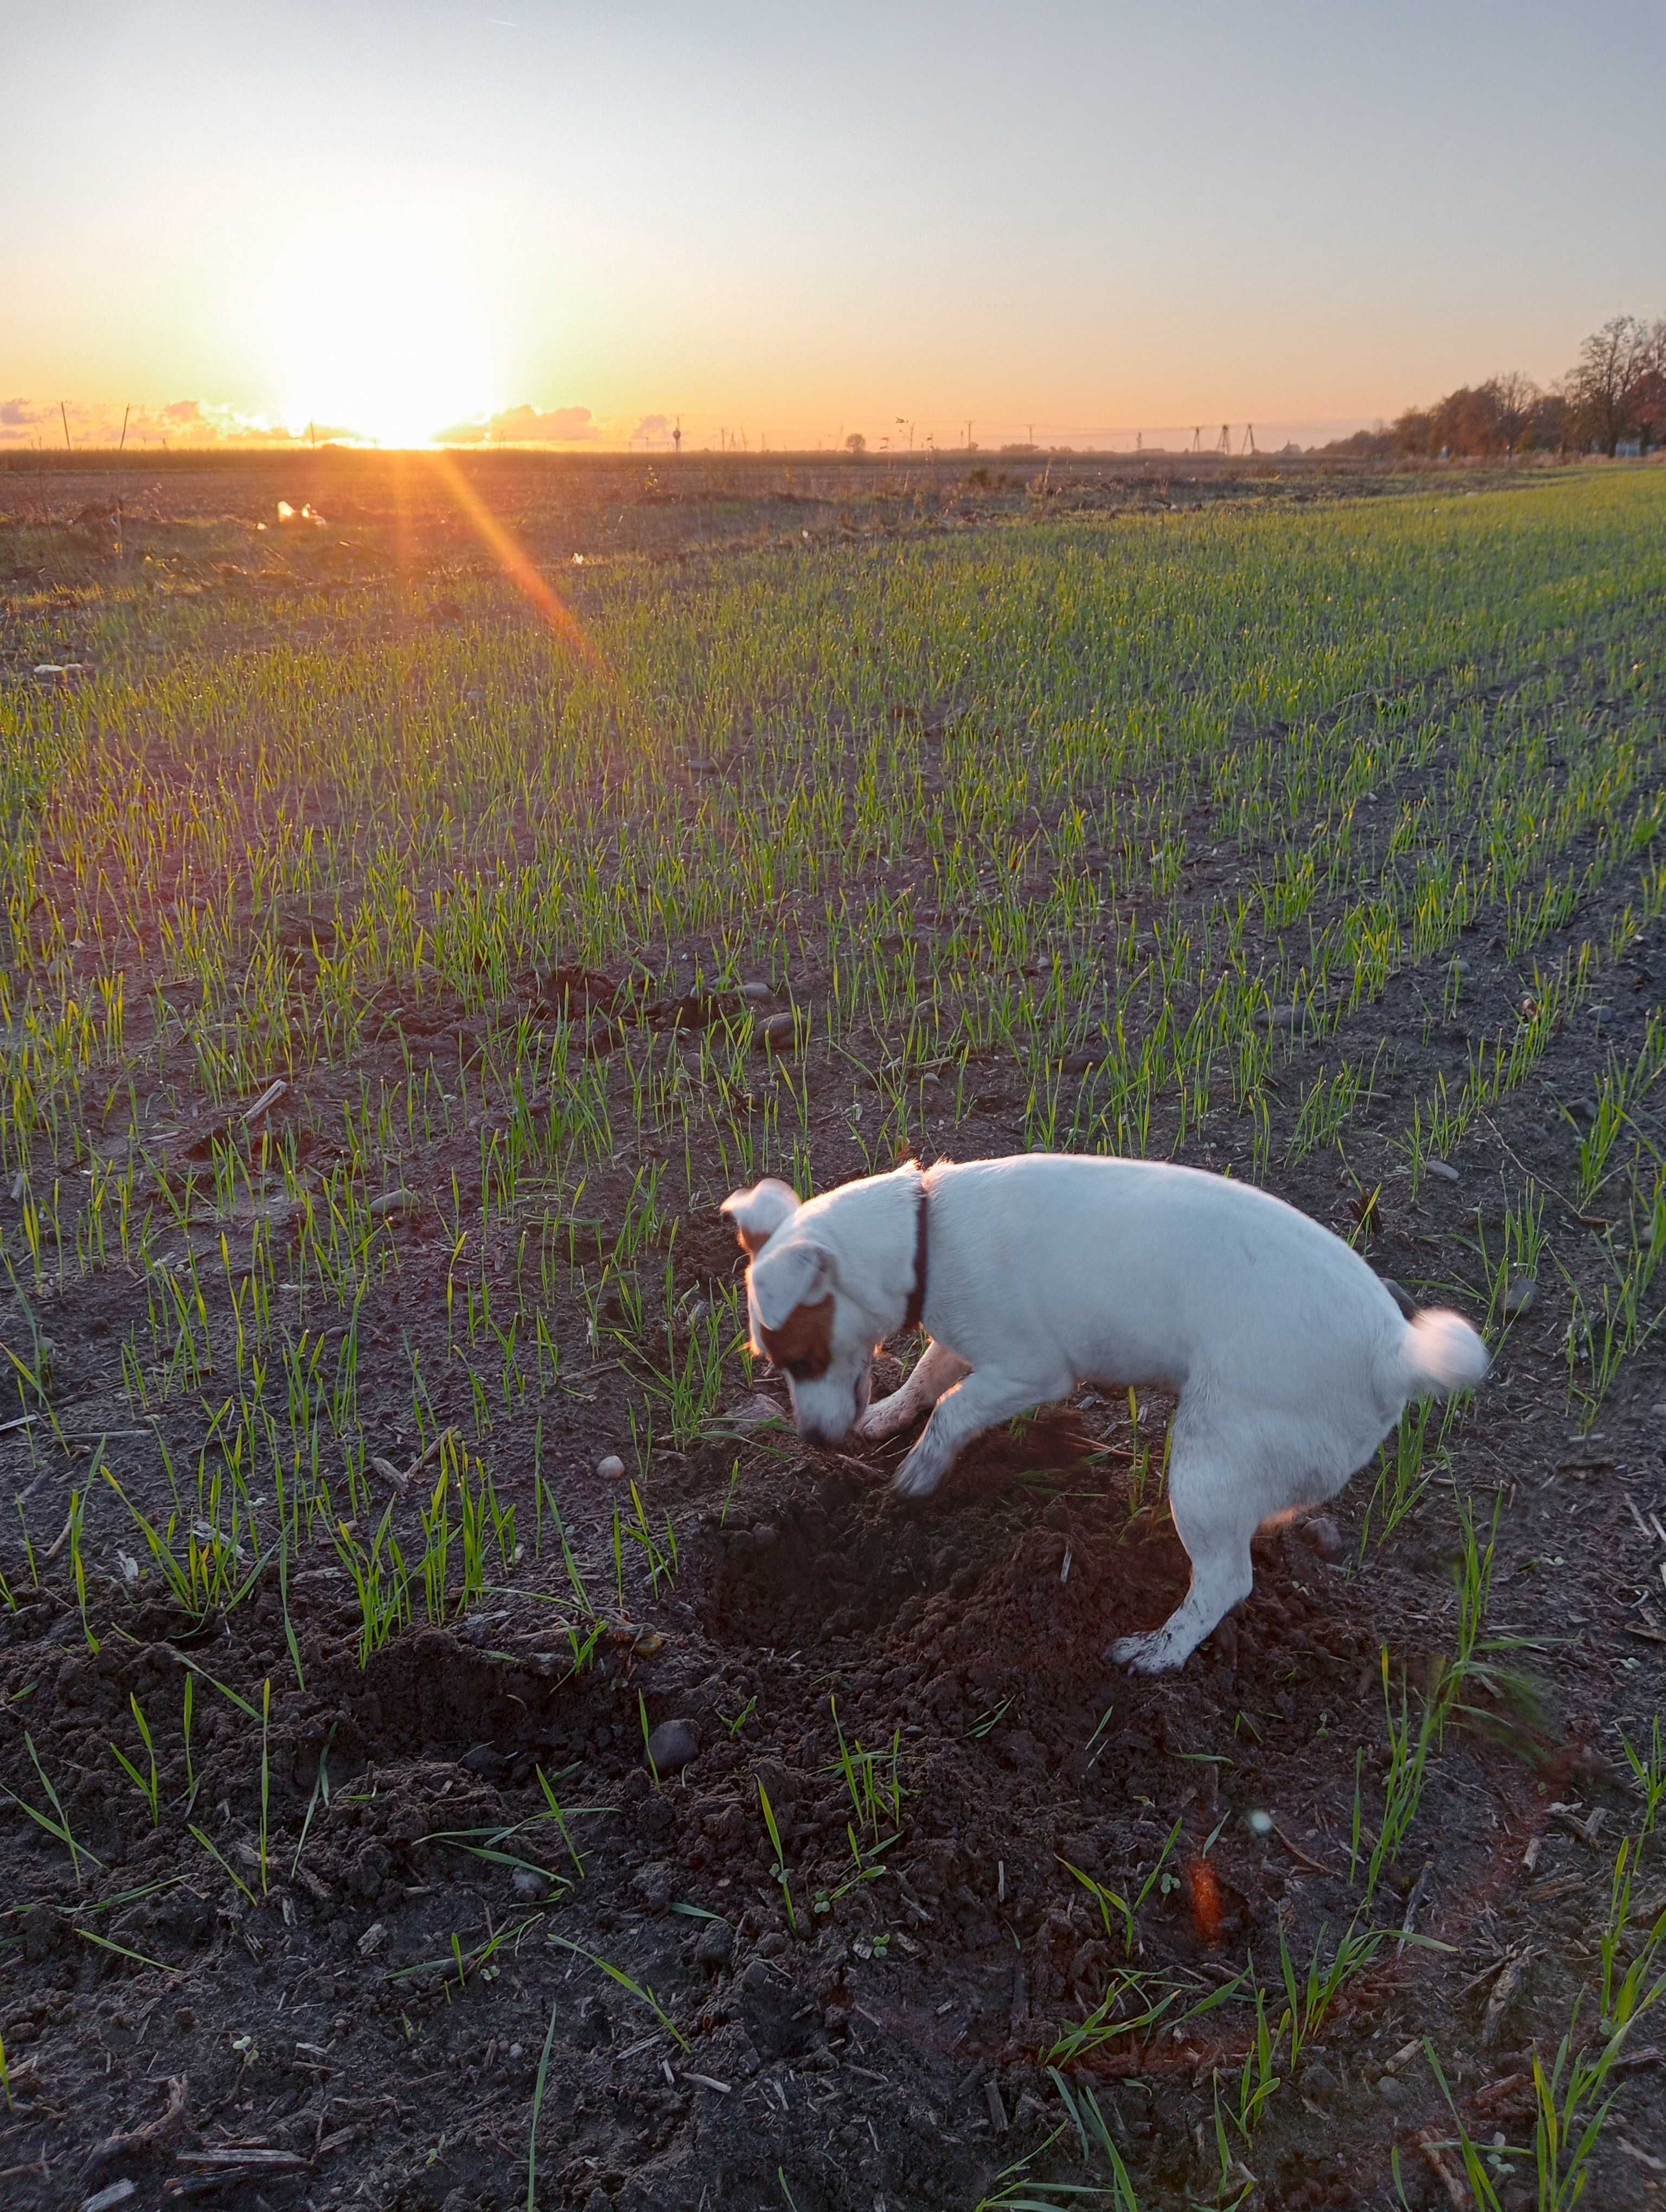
<point x="380" y="333"/>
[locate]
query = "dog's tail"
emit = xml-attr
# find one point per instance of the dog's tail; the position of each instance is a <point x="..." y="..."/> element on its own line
<point x="1438" y="1352"/>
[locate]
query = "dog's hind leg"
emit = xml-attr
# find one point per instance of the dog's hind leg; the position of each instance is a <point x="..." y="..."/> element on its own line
<point x="936" y="1370"/>
<point x="1216" y="1512"/>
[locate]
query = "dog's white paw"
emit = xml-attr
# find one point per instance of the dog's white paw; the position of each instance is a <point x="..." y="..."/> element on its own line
<point x="918" y="1475"/>
<point x="1150" y="1654"/>
<point x="882" y="1419"/>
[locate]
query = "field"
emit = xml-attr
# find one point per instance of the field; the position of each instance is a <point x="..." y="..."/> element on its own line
<point x="420" y="910"/>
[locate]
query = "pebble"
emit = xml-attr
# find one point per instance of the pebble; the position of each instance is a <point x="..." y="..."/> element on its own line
<point x="781" y="1032"/>
<point x="529" y="1884"/>
<point x="1444" y="1170"/>
<point x="673" y="1746"/>
<point x="756" y="992"/>
<point x="610" y="1469"/>
<point x="1521" y="1296"/>
<point x="1321" y="1532"/>
<point x="1392" y="2091"/>
<point x="1318" y="2078"/>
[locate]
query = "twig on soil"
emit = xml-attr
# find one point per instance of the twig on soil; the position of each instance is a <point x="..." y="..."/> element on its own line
<point x="402" y="1483"/>
<point x="60" y="1539"/>
<point x="1296" y="1851"/>
<point x="1504" y="1989"/>
<point x="146" y="2137"/>
<point x="1584" y="1220"/>
<point x="269" y="1096"/>
<point x="1456" y="2192"/>
<point x="1414" y="1901"/>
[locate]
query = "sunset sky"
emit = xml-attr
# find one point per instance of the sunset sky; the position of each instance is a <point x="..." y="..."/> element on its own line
<point x="403" y="218"/>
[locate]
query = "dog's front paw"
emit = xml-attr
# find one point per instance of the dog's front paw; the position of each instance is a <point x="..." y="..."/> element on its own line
<point x="884" y="1418"/>
<point x="919" y="1473"/>
<point x="1150" y="1654"/>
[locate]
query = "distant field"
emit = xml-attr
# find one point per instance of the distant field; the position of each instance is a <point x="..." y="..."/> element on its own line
<point x="416" y="920"/>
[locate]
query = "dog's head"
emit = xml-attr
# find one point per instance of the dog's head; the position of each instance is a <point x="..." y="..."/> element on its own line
<point x="819" y="1338"/>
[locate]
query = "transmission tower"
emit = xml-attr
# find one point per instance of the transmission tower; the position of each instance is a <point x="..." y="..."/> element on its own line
<point x="1249" y="438"/>
<point x="1224" y="443"/>
<point x="1197" y="437"/>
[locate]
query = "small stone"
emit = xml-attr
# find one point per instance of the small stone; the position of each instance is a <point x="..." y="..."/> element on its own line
<point x="610" y="1469"/>
<point x="1391" y="2090"/>
<point x="529" y="1885"/>
<point x="757" y="993"/>
<point x="1521" y="1296"/>
<point x="716" y="1946"/>
<point x="673" y="1746"/>
<point x="1318" y="2079"/>
<point x="1443" y="1169"/>
<point x="1321" y="1533"/>
<point x="781" y="1032"/>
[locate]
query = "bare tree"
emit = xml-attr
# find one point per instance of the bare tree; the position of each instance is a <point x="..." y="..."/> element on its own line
<point x="1516" y="396"/>
<point x="1602" y="386"/>
<point x="856" y="444"/>
<point x="1648" y="394"/>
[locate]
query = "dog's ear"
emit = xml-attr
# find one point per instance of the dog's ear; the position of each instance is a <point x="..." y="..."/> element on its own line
<point x="758" y="1213"/>
<point x="797" y="1273"/>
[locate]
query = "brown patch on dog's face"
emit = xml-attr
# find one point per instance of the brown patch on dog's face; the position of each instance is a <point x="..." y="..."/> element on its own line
<point x="802" y="1348"/>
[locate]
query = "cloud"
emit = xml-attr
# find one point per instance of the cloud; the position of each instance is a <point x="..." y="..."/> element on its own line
<point x="525" y="426"/>
<point x="652" y="428"/>
<point x="184" y="422"/>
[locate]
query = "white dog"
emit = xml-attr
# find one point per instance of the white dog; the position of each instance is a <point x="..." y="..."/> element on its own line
<point x="1292" y="1359"/>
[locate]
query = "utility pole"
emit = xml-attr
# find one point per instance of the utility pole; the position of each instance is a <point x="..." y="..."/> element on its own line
<point x="1197" y="437"/>
<point x="968" y="434"/>
<point x="125" y="412"/>
<point x="63" y="411"/>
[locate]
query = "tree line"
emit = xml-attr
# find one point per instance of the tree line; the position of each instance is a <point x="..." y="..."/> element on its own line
<point x="1613" y="395"/>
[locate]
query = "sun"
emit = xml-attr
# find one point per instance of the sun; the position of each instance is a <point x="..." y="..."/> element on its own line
<point x="380" y="331"/>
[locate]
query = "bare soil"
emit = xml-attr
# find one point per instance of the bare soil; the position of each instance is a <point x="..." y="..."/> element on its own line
<point x="332" y="2039"/>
